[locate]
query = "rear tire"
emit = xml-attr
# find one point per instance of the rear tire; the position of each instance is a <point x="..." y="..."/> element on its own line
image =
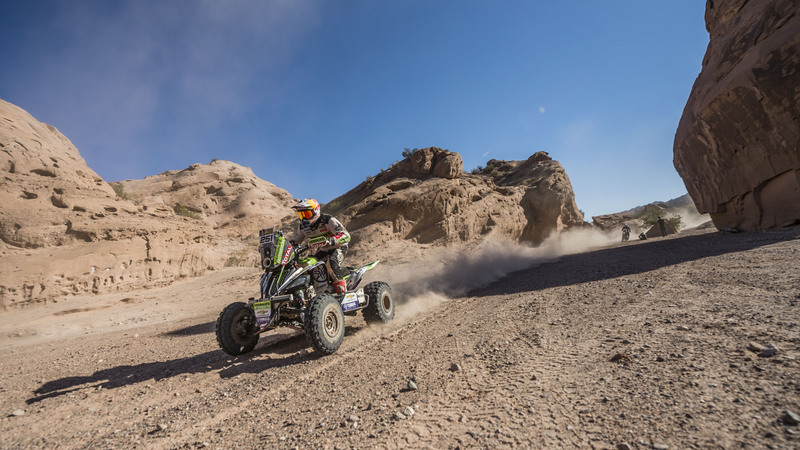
<point x="324" y="324"/>
<point x="381" y="303"/>
<point x="236" y="329"/>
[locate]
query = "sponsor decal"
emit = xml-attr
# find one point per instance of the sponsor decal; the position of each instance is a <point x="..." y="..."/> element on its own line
<point x="263" y="312"/>
<point x="320" y="241"/>
<point x="286" y="255"/>
<point x="320" y="273"/>
<point x="349" y="302"/>
<point x="281" y="244"/>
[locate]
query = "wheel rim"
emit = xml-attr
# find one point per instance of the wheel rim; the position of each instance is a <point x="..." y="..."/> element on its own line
<point x="241" y="329"/>
<point x="331" y="323"/>
<point x="387" y="302"/>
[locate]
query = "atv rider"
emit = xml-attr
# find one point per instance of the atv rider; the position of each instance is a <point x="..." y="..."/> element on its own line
<point x="327" y="238"/>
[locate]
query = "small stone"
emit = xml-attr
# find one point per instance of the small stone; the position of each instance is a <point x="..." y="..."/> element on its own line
<point x="455" y="367"/>
<point x="354" y="418"/>
<point x="399" y="416"/>
<point x="754" y="347"/>
<point x="18" y="413"/>
<point x="768" y="351"/>
<point x="682" y="328"/>
<point x="621" y="358"/>
<point x="624" y="446"/>
<point x="790" y="418"/>
<point x="412" y="386"/>
<point x="408" y="411"/>
<point x="660" y="447"/>
<point x="161" y="427"/>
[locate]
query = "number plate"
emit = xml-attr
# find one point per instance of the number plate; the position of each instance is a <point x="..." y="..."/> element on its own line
<point x="266" y="239"/>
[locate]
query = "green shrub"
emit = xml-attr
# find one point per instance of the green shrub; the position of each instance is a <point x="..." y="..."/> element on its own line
<point x="183" y="210"/>
<point x="120" y="190"/>
<point x="408" y="152"/>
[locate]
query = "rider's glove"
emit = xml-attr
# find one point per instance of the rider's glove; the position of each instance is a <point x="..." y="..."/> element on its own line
<point x="331" y="241"/>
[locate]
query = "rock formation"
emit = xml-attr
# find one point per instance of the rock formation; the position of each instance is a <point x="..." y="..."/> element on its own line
<point x="63" y="230"/>
<point x="737" y="146"/>
<point x="427" y="199"/>
<point x="225" y="195"/>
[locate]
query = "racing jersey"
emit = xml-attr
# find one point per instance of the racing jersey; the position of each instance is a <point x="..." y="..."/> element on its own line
<point x="320" y="232"/>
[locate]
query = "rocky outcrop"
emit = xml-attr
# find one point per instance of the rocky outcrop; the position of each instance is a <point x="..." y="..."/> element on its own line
<point x="737" y="146"/>
<point x="223" y="194"/>
<point x="414" y="202"/>
<point x="64" y="231"/>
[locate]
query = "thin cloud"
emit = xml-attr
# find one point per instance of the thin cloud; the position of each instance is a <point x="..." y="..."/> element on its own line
<point x="160" y="69"/>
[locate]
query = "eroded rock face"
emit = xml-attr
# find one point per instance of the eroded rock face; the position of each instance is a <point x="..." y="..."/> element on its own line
<point x="521" y="200"/>
<point x="737" y="146"/>
<point x="225" y="195"/>
<point x="64" y="231"/>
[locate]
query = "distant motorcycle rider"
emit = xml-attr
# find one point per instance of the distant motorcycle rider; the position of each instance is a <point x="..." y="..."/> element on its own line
<point x="626" y="232"/>
<point x="327" y="238"/>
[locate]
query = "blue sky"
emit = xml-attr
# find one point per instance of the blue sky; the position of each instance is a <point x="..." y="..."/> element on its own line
<point x="317" y="95"/>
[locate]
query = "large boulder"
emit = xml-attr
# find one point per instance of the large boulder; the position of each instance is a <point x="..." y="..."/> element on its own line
<point x="737" y="146"/>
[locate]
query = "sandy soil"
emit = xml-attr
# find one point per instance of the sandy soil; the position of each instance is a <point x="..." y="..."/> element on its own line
<point x="646" y="344"/>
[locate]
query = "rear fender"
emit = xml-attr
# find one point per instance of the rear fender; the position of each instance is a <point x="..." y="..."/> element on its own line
<point x="354" y="279"/>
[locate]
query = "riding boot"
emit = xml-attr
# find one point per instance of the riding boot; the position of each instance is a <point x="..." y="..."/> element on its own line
<point x="340" y="287"/>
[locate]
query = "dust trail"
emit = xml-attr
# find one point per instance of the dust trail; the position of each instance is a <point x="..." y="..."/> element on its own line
<point x="449" y="272"/>
<point x="691" y="218"/>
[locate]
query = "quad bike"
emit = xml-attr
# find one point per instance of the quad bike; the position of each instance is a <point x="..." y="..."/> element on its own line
<point x="296" y="292"/>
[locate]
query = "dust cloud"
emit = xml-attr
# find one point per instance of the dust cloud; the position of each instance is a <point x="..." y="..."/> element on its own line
<point x="691" y="218"/>
<point x="421" y="286"/>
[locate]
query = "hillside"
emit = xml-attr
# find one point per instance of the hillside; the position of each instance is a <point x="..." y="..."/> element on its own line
<point x="682" y="206"/>
<point x="65" y="231"/>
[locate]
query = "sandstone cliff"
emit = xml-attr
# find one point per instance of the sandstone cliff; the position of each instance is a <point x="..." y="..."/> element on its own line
<point x="63" y="230"/>
<point x="427" y="199"/>
<point x="737" y="146"/>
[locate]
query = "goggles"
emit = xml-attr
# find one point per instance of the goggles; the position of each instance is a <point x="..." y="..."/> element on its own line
<point x="307" y="214"/>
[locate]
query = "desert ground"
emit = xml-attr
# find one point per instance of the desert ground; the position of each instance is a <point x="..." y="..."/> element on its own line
<point x="689" y="341"/>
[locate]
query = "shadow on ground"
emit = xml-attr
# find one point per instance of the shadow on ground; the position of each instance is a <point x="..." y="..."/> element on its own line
<point x="214" y="360"/>
<point x="294" y="346"/>
<point x="635" y="257"/>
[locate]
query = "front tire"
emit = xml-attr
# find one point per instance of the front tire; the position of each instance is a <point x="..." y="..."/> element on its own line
<point x="381" y="303"/>
<point x="324" y="324"/>
<point x="236" y="329"/>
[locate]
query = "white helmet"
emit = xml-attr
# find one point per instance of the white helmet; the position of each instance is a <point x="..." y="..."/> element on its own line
<point x="309" y="211"/>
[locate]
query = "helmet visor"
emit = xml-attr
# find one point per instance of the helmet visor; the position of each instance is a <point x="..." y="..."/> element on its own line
<point x="307" y="214"/>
